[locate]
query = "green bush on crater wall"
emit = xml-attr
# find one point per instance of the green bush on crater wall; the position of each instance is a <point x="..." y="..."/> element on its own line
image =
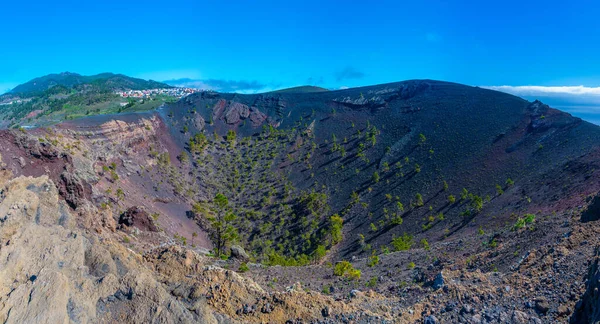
<point x="345" y="268"/>
<point x="402" y="243"/>
<point x="336" y="229"/>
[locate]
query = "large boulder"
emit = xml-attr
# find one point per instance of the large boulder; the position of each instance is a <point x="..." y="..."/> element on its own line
<point x="137" y="217"/>
<point x="438" y="282"/>
<point x="74" y="190"/>
<point x="238" y="252"/>
<point x="592" y="212"/>
<point x="430" y="320"/>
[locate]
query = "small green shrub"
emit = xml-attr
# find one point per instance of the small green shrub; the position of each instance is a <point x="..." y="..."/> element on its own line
<point x="464" y="194"/>
<point x="402" y="243"/>
<point x="476" y="203"/>
<point x="243" y="267"/>
<point x="373" y="261"/>
<point x="341" y="268"/>
<point x="521" y="222"/>
<point x="336" y="229"/>
<point x="419" y="200"/>
<point x="529" y="218"/>
<point x="396" y="220"/>
<point x="400" y="206"/>
<point x="372" y="282"/>
<point x="425" y="244"/>
<point x="345" y="268"/>
<point x="499" y="189"/>
<point x="376" y="177"/>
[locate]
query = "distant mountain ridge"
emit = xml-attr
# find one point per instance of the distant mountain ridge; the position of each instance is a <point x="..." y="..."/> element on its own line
<point x="300" y="89"/>
<point x="109" y="81"/>
<point x="67" y="95"/>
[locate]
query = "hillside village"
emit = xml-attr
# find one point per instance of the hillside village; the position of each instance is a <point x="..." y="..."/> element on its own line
<point x="172" y="92"/>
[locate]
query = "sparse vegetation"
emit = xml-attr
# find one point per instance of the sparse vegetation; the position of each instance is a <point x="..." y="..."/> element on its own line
<point x="376" y="177"/>
<point x="418" y="200"/>
<point x="402" y="243"/>
<point x="336" y="229"/>
<point x="451" y="199"/>
<point x="425" y="244"/>
<point x="345" y="268"/>
<point x="522" y="222"/>
<point x="499" y="189"/>
<point x="373" y="261"/>
<point x="243" y="267"/>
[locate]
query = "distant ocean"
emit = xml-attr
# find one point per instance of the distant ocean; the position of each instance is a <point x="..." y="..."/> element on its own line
<point x="587" y="111"/>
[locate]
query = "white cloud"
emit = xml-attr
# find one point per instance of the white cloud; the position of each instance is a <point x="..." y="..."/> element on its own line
<point x="558" y="95"/>
<point x="545" y="91"/>
<point x="580" y="101"/>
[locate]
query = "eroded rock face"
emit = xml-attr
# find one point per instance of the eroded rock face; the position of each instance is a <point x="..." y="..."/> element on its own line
<point x="587" y="310"/>
<point x="199" y="122"/>
<point x="74" y="190"/>
<point x="411" y="89"/>
<point x="375" y="100"/>
<point x="236" y="112"/>
<point x="257" y="117"/>
<point x="52" y="272"/>
<point x="128" y="136"/>
<point x="269" y="102"/>
<point x="544" y="118"/>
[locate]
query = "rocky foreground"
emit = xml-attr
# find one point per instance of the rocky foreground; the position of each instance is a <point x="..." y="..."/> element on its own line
<point x="52" y="271"/>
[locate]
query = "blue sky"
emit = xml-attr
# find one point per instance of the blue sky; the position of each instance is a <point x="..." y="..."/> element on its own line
<point x="262" y="45"/>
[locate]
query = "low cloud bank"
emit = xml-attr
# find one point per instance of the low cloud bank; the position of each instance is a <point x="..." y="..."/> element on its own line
<point x="219" y="85"/>
<point x="580" y="101"/>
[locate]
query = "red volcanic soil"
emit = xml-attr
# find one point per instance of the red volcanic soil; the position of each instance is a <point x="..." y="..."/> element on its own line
<point x="172" y="212"/>
<point x="133" y="136"/>
<point x="25" y="157"/>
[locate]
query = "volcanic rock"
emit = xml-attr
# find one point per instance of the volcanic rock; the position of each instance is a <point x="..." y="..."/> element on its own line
<point x="238" y="252"/>
<point x="137" y="217"/>
<point x="235" y="112"/>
